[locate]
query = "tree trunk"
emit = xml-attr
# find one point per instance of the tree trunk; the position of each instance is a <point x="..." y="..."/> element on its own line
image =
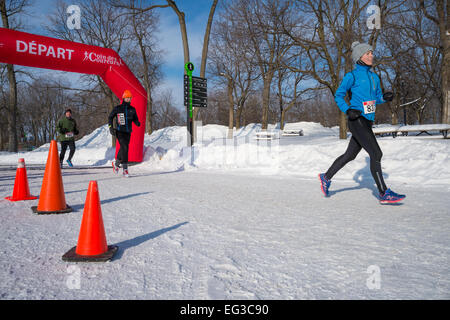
<point x="206" y="39"/>
<point x="348" y="68"/>
<point x="148" y="88"/>
<point x="147" y="85"/>
<point x="444" y="30"/>
<point x="238" y="117"/>
<point x="184" y="38"/>
<point x="442" y="22"/>
<point x="1" y="140"/>
<point x="12" y="109"/>
<point x="148" y="124"/>
<point x="183" y="31"/>
<point x="283" y="115"/>
<point x="12" y="103"/>
<point x="394" y="118"/>
<point x="110" y="108"/>
<point x="205" y="54"/>
<point x="445" y="75"/>
<point x="109" y="94"/>
<point x="342" y="126"/>
<point x="230" y="109"/>
<point x="265" y="99"/>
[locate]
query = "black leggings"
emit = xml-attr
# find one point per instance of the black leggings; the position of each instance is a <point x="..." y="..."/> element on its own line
<point x="124" y="141"/>
<point x="64" y="145"/>
<point x="362" y="137"/>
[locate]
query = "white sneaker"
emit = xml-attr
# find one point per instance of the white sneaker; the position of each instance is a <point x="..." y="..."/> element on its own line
<point x="125" y="173"/>
<point x="115" y="168"/>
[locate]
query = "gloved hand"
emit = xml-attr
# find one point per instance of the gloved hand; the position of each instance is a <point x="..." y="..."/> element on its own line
<point x="112" y="130"/>
<point x="353" y="114"/>
<point x="63" y="131"/>
<point x="138" y="123"/>
<point x="76" y="132"/>
<point x="388" y="96"/>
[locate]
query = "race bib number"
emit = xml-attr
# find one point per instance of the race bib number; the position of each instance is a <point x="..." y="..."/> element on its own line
<point x="369" y="106"/>
<point x="69" y="135"/>
<point x="121" y="119"/>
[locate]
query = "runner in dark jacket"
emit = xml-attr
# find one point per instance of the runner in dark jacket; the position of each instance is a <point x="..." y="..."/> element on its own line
<point x="125" y="114"/>
<point x="67" y="129"/>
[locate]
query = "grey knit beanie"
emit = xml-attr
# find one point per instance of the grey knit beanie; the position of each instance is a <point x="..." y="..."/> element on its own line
<point x="358" y="49"/>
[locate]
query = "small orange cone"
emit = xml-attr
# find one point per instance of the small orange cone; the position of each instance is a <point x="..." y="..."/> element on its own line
<point x="91" y="246"/>
<point x="52" y="198"/>
<point x="21" y="190"/>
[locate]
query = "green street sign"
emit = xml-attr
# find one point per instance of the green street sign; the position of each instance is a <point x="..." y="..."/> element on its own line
<point x="189" y="67"/>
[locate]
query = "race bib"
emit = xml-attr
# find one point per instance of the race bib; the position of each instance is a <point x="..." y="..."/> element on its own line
<point x="69" y="135"/>
<point x="121" y="119"/>
<point x="369" y="106"/>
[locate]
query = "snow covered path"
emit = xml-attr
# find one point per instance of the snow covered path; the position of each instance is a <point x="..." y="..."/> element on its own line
<point x="201" y="234"/>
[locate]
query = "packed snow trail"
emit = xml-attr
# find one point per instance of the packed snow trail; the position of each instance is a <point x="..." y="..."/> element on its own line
<point x="200" y="234"/>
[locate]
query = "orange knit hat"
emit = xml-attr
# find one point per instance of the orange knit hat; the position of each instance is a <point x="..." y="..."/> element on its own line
<point x="127" y="94"/>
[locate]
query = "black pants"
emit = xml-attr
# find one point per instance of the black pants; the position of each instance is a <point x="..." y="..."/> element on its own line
<point x="362" y="138"/>
<point x="64" y="145"/>
<point x="124" y="141"/>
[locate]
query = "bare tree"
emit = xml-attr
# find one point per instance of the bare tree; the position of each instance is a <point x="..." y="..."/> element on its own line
<point x="288" y="92"/>
<point x="326" y="30"/>
<point x="166" y="114"/>
<point x="103" y="25"/>
<point x="8" y="12"/>
<point x="182" y="23"/>
<point x="41" y="106"/>
<point x="411" y="66"/>
<point x="261" y="22"/>
<point x="4" y="128"/>
<point x="438" y="11"/>
<point x="144" y="28"/>
<point x="205" y="49"/>
<point x="229" y="59"/>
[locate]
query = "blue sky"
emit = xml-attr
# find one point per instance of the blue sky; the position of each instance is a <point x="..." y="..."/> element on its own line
<point x="196" y="15"/>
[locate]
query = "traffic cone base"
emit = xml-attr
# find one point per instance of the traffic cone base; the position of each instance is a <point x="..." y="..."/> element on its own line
<point x="21" y="190"/>
<point x="25" y="198"/>
<point x="66" y="210"/>
<point x="72" y="256"/>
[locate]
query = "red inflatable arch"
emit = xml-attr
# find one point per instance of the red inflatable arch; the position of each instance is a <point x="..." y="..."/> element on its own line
<point x="44" y="52"/>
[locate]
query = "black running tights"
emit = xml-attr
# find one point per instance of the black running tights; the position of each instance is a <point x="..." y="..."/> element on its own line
<point x="362" y="138"/>
<point x="124" y="142"/>
<point x="64" y="145"/>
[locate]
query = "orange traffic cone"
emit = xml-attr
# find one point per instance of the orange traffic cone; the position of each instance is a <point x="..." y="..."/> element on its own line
<point x="91" y="246"/>
<point x="21" y="190"/>
<point x="52" y="199"/>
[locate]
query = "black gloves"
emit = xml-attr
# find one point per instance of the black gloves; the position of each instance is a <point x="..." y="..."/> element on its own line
<point x="76" y="132"/>
<point x="388" y="96"/>
<point x="63" y="130"/>
<point x="112" y="130"/>
<point x="353" y="114"/>
<point x="138" y="123"/>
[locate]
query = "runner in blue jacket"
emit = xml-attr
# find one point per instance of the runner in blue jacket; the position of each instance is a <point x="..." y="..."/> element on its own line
<point x="364" y="88"/>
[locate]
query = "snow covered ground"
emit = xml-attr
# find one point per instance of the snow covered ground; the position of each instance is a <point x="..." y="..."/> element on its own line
<point x="236" y="219"/>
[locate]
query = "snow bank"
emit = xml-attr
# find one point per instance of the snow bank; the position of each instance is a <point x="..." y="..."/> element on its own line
<point x="411" y="159"/>
<point x="93" y="149"/>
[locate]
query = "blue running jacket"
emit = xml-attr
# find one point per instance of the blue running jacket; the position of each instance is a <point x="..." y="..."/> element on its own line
<point x="366" y="92"/>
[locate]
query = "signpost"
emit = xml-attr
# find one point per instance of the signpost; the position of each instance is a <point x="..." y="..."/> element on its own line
<point x="195" y="95"/>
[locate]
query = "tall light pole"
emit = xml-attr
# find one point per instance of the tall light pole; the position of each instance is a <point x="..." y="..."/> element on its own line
<point x="231" y="104"/>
